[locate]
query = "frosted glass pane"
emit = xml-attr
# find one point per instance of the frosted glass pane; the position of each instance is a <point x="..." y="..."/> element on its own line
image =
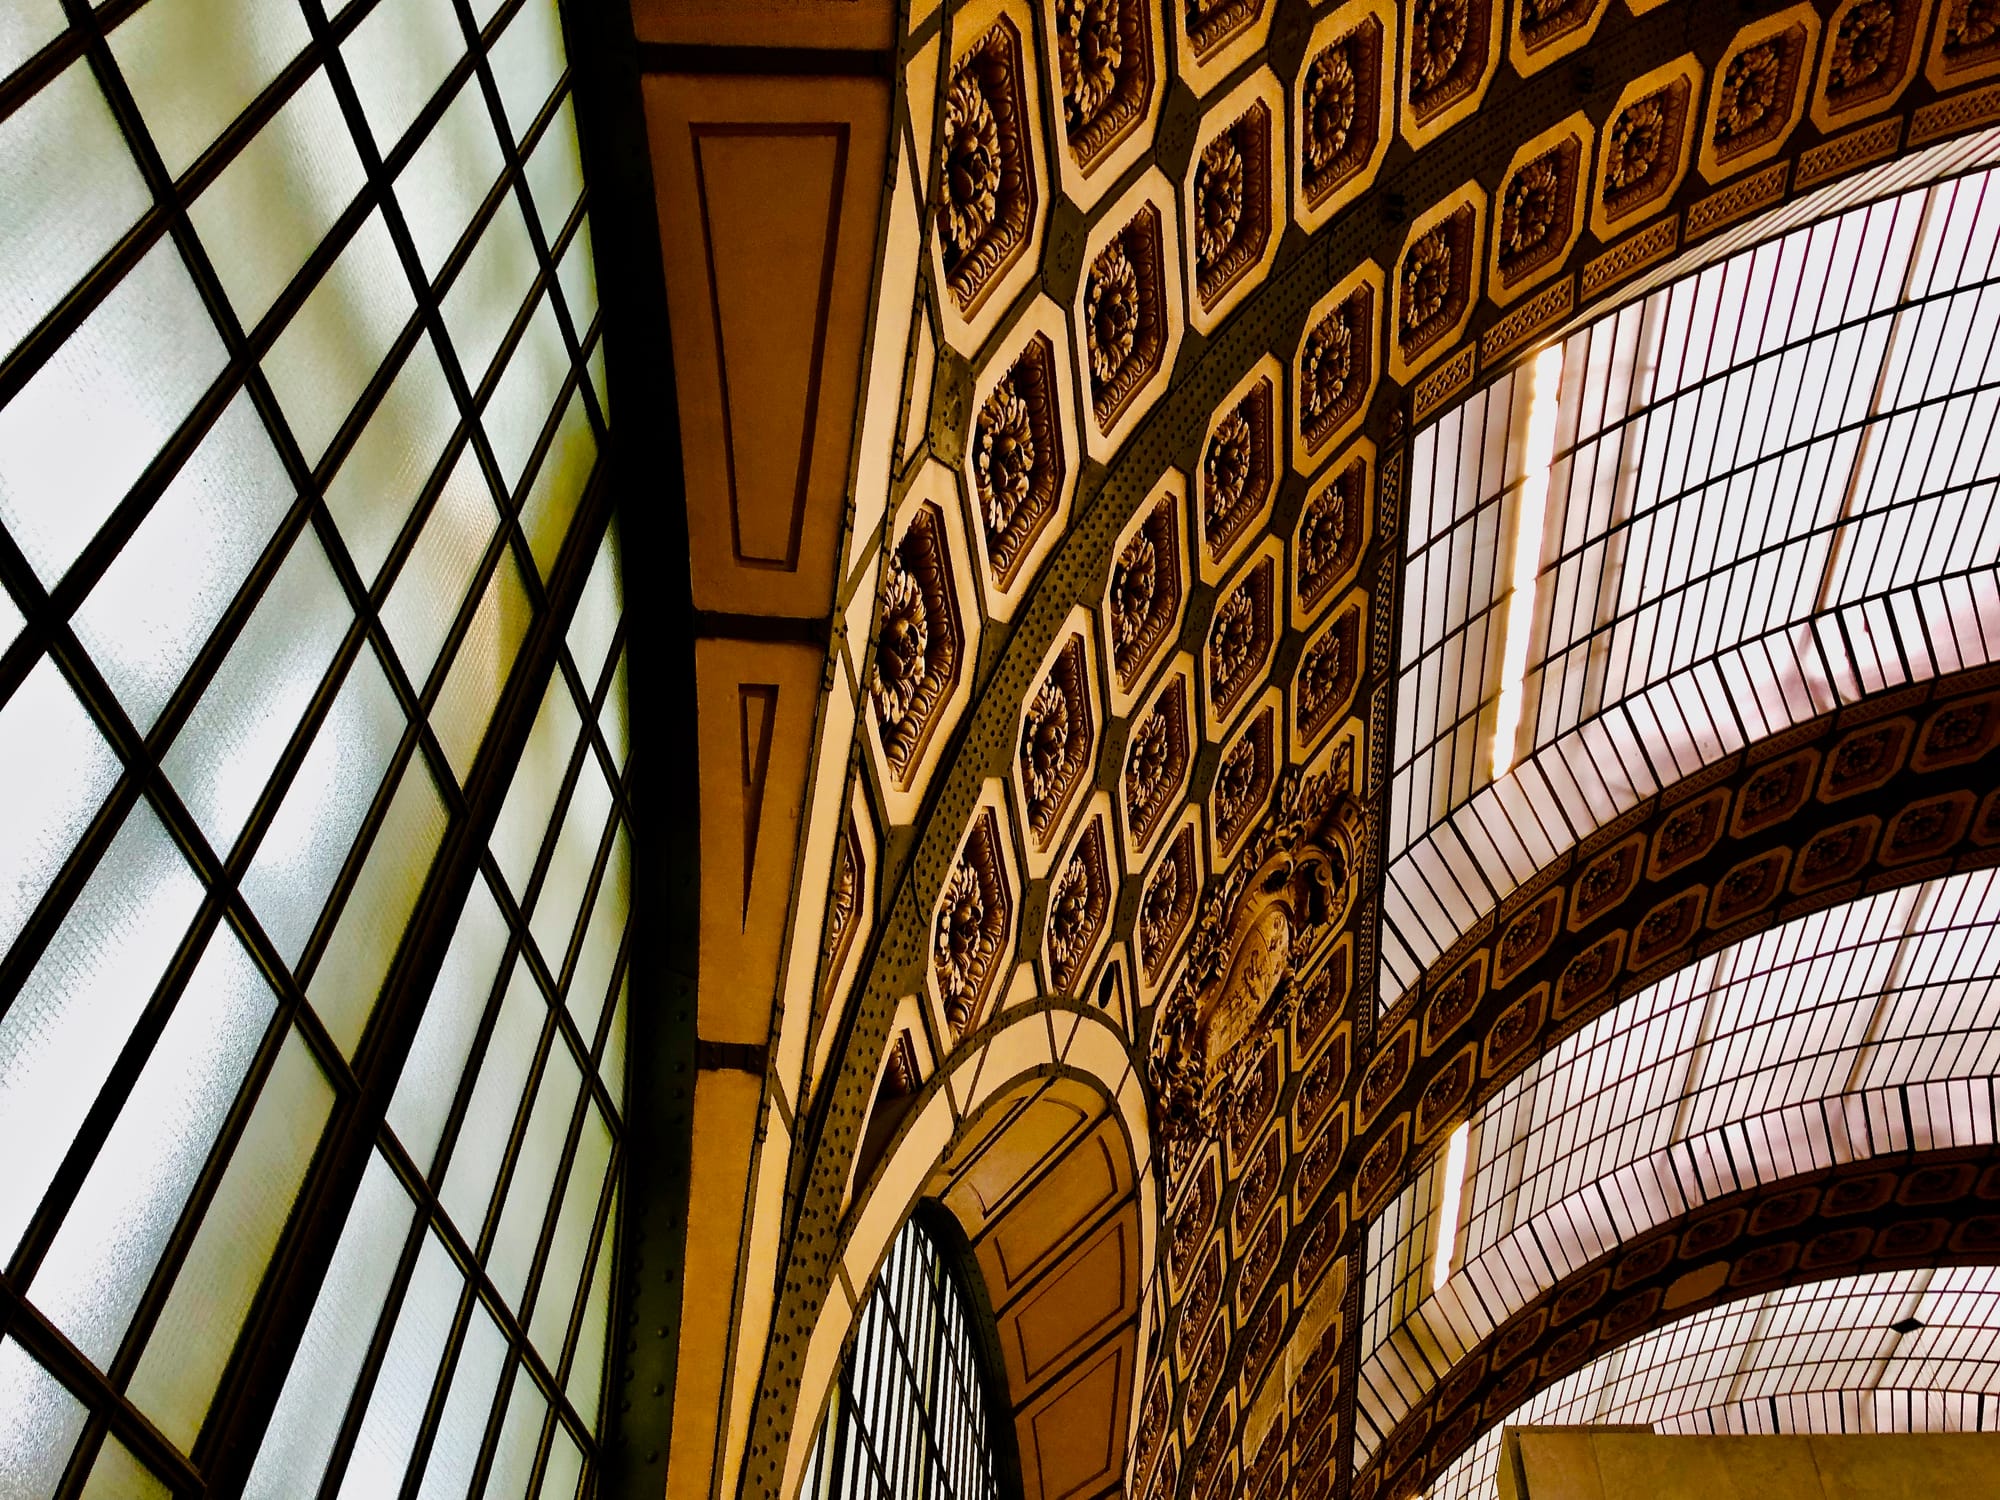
<point x="275" y="202"/>
<point x="555" y="172"/>
<point x="480" y="669"/>
<point x="40" y="1422"/>
<point x="449" y="176"/>
<point x="26" y="26"/>
<point x="193" y="65"/>
<point x="437" y="574"/>
<point x="527" y="61"/>
<point x="534" y="1175"/>
<point x="520" y="1435"/>
<point x="564" y="1468"/>
<point x="462" y="1424"/>
<point x="398" y="56"/>
<point x="576" y="1222"/>
<point x="161" y="598"/>
<point x="403" y="1382"/>
<point x="436" y="1061"/>
<point x="314" y="1399"/>
<point x="526" y="394"/>
<point x="47" y="742"/>
<point x="307" y="841"/>
<point x="496" y="1099"/>
<point x="559" y="484"/>
<point x="191" y="1342"/>
<point x="489" y="289"/>
<point x="571" y="862"/>
<point x="117" y="1475"/>
<point x="613" y="717"/>
<point x="590" y="985"/>
<point x="114" y="1234"/>
<point x="348" y="977"/>
<point x="68" y="189"/>
<point x="66" y="1025"/>
<point x="611" y="1066"/>
<point x="598" y="611"/>
<point x="578" y="274"/>
<point x="379" y="480"/>
<point x="538" y="777"/>
<point x="336" y="341"/>
<point x="225" y="752"/>
<point x="84" y="428"/>
<point x="586" y="1370"/>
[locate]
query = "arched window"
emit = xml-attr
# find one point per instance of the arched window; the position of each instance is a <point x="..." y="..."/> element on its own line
<point x="914" y="1416"/>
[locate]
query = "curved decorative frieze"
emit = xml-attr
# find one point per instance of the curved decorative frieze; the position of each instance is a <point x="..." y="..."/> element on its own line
<point x="1450" y="54"/>
<point x="1929" y="1208"/>
<point x="1332" y="531"/>
<point x="1437" y="281"/>
<point x="1342" y="108"/>
<point x="972" y="925"/>
<point x="1241" y="458"/>
<point x="1338" y="361"/>
<point x="1869" y="59"/>
<point x="1020" y="464"/>
<point x="1759" y="92"/>
<point x="924" y="642"/>
<point x="1235" y="196"/>
<point x="1965" y="46"/>
<point x="1642" y="154"/>
<point x="1110" y="69"/>
<point x="1546" y="31"/>
<point x="1166" y="903"/>
<point x="1242" y="635"/>
<point x="1159" y="754"/>
<point x="989" y="199"/>
<point x="850" y="917"/>
<point x="1078" y="920"/>
<point x="1128" y="312"/>
<point x="1056" y="744"/>
<point x="1147" y="591"/>
<point x="1538" y="212"/>
<point x="1271" y="920"/>
<point x="1214" y="36"/>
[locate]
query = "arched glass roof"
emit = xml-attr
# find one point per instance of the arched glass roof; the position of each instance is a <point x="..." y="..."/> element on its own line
<point x="1864" y="1029"/>
<point x="1820" y="1358"/>
<point x="1754" y="494"/>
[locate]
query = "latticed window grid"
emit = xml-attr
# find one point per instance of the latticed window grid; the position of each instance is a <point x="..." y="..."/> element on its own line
<point x="1771" y="494"/>
<point x="1821" y="1358"/>
<point x="301" y="392"/>
<point x="910" y="1415"/>
<point x="1862" y="1030"/>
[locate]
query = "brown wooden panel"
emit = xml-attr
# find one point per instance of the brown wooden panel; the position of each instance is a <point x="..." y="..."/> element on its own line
<point x="1072" y="1439"/>
<point x="766" y="23"/>
<point x="1074" y="1305"/>
<point x="769" y="196"/>
<point x="1059" y="1206"/>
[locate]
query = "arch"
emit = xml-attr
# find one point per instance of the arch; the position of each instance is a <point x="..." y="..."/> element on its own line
<point x="1857" y="1035"/>
<point x="1756" y="498"/>
<point x="1034" y="1140"/>
<point x="1919" y="1210"/>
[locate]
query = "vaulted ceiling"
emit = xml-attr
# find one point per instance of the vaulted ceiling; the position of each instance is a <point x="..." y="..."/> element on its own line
<point x="1151" y="794"/>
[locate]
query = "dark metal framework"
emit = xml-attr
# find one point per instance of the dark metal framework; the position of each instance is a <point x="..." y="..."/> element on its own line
<point x="916" y="1414"/>
<point x="397" y="1366"/>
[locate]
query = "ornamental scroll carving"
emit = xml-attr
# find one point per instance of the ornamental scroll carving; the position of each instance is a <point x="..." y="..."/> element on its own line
<point x="1260" y="933"/>
<point x="986" y="189"/>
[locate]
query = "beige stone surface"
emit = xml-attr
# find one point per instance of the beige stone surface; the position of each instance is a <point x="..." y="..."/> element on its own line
<point x="1624" y="1463"/>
